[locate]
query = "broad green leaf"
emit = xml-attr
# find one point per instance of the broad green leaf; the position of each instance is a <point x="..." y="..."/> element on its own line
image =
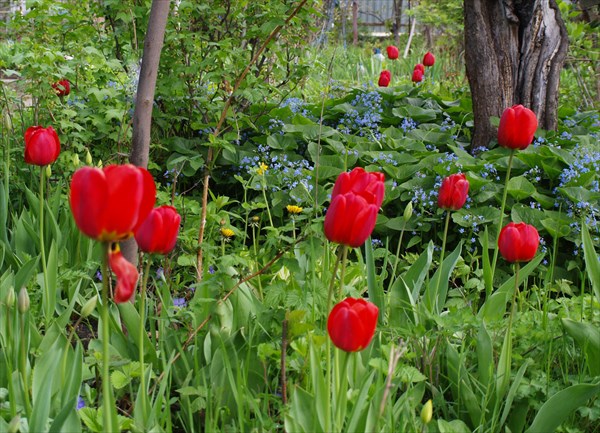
<point x="519" y="188"/>
<point x="560" y="406"/>
<point x="375" y="288"/>
<point x="587" y="337"/>
<point x="436" y="292"/>
<point x="592" y="260"/>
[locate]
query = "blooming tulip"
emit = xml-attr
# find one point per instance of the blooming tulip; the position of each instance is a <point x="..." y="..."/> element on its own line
<point x="453" y="192"/>
<point x="62" y="87"/>
<point x="518" y="242"/>
<point x="517" y="126"/>
<point x="392" y="52"/>
<point x="351" y="324"/>
<point x="110" y="204"/>
<point x="428" y="59"/>
<point x="126" y="273"/>
<point x="42" y="145"/>
<point x="355" y="201"/>
<point x="158" y="232"/>
<point x="384" y="78"/>
<point x="417" y="75"/>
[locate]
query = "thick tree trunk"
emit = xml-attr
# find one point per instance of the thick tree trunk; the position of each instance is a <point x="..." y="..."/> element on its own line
<point x="142" y="115"/>
<point x="514" y="52"/>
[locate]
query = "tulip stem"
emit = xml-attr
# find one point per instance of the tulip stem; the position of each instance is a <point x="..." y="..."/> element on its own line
<point x="47" y="304"/>
<point x="328" y="344"/>
<point x="488" y="290"/>
<point x="343" y="272"/>
<point x="23" y="364"/>
<point x="341" y="390"/>
<point x="141" y="341"/>
<point x="441" y="268"/>
<point x="110" y="422"/>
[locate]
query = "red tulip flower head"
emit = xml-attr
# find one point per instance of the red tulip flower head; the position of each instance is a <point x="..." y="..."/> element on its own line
<point x="355" y="202"/>
<point x="351" y="324"/>
<point x="428" y="59"/>
<point x="42" y="145"/>
<point x="518" y="242"/>
<point x="418" y="73"/>
<point x="384" y="78"/>
<point x="62" y="87"/>
<point x="392" y="52"/>
<point x="453" y="192"/>
<point x="110" y="204"/>
<point x="126" y="273"/>
<point x="517" y="127"/>
<point x="158" y="232"/>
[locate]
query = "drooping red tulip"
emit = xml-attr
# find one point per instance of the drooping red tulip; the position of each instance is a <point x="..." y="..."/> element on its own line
<point x="42" y="145"/>
<point x="110" y="204"/>
<point x="351" y="324"/>
<point x="392" y="52"/>
<point x="453" y="192"/>
<point x="428" y="59"/>
<point x="158" y="232"/>
<point x="355" y="202"/>
<point x="384" y="78"/>
<point x="418" y="73"/>
<point x="517" y="127"/>
<point x="62" y="87"/>
<point x="126" y="273"/>
<point x="518" y="242"/>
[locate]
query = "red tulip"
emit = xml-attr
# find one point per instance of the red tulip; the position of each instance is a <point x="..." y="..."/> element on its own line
<point x="453" y="192"/>
<point x="126" y="273"/>
<point x="418" y="73"/>
<point x="428" y="59"/>
<point x="42" y="145"/>
<point x="384" y="78"/>
<point x="518" y="242"/>
<point x="110" y="204"/>
<point x="517" y="126"/>
<point x="392" y="52"/>
<point x="158" y="232"/>
<point x="351" y="324"/>
<point x="62" y="87"/>
<point x="355" y="201"/>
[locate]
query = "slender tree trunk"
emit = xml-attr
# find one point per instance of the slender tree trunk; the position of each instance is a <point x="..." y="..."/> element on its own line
<point x="355" y="22"/>
<point x="397" y="20"/>
<point x="142" y="115"/>
<point x="514" y="51"/>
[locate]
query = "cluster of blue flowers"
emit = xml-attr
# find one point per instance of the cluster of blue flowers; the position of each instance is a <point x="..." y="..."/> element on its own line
<point x="284" y="174"/>
<point x="408" y="124"/>
<point x="489" y="172"/>
<point x="365" y="118"/>
<point x="451" y="161"/>
<point x="385" y="158"/>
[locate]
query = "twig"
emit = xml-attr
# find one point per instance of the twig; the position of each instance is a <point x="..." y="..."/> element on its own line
<point x="217" y="131"/>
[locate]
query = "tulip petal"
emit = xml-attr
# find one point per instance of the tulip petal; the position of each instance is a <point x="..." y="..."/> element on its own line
<point x="126" y="273"/>
<point x="88" y="199"/>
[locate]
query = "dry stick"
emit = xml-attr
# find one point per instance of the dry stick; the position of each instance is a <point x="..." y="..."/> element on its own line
<point x="217" y="131"/>
<point x="284" y="342"/>
<point x="224" y="298"/>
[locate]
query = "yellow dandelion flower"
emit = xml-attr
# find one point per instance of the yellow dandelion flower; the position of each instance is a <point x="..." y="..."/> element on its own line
<point x="262" y="169"/>
<point x="228" y="233"/>
<point x="293" y="209"/>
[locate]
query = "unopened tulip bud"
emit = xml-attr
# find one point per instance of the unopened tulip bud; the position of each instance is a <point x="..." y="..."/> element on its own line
<point x="13" y="426"/>
<point x="408" y="211"/>
<point x="7" y="121"/>
<point x="75" y="160"/>
<point x="88" y="158"/>
<point x="99" y="165"/>
<point x="23" y="301"/>
<point x="48" y="171"/>
<point x="89" y="307"/>
<point x="427" y="412"/>
<point x="11" y="297"/>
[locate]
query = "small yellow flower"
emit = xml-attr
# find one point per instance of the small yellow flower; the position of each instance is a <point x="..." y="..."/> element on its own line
<point x="228" y="233"/>
<point x="262" y="168"/>
<point x="293" y="209"/>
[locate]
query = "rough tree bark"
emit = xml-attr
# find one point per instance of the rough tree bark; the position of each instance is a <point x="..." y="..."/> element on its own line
<point x="142" y="115"/>
<point x="514" y="52"/>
